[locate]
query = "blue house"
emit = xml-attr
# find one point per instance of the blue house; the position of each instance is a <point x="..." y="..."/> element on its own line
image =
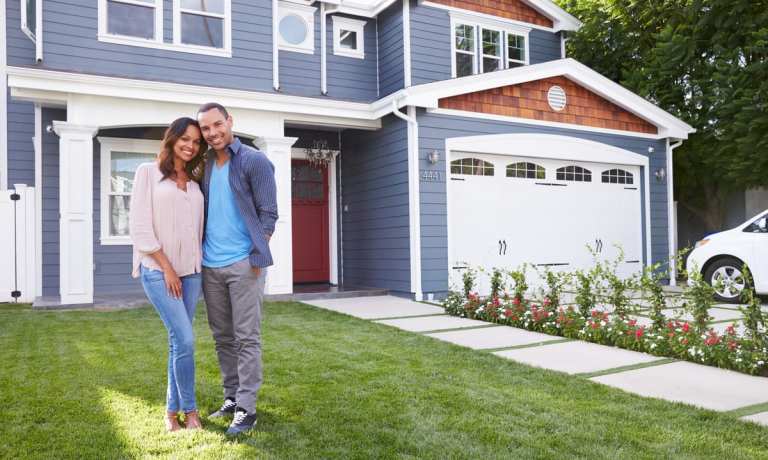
<point x="411" y="138"/>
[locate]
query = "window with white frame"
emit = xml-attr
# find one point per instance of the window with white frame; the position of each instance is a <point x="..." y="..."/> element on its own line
<point x="137" y="19"/>
<point x="464" y="49"/>
<point x="484" y="45"/>
<point x="202" y="23"/>
<point x="29" y="17"/>
<point x="472" y="167"/>
<point x="119" y="160"/>
<point x="296" y="27"/>
<point x="348" y="37"/>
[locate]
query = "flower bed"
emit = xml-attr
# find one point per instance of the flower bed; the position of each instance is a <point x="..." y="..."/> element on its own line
<point x="586" y="320"/>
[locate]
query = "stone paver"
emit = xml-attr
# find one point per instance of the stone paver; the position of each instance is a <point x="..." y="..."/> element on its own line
<point x="702" y="386"/>
<point x="432" y="323"/>
<point x="718" y="314"/>
<point x="721" y="327"/>
<point x="761" y="418"/>
<point x="377" y="307"/>
<point x="576" y="357"/>
<point x="493" y="337"/>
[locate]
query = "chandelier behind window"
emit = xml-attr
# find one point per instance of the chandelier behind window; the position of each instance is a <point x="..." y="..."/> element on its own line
<point x="319" y="154"/>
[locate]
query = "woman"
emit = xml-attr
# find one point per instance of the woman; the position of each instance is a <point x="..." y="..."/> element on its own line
<point x="166" y="225"/>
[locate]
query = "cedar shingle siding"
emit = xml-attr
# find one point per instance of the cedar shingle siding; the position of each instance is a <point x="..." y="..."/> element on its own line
<point x="510" y="9"/>
<point x="529" y="100"/>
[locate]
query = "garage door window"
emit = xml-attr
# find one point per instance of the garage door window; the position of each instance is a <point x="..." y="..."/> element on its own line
<point x="472" y="167"/>
<point x="617" y="176"/>
<point x="524" y="170"/>
<point x="574" y="173"/>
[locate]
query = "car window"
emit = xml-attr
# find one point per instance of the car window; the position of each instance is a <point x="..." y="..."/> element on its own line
<point x="760" y="225"/>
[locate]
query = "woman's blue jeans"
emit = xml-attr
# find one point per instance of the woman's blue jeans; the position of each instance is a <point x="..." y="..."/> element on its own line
<point x="177" y="315"/>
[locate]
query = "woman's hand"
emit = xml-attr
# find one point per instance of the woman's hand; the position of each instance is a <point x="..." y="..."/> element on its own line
<point x="172" y="282"/>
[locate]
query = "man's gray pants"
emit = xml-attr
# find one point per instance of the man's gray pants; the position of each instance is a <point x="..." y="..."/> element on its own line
<point x="233" y="295"/>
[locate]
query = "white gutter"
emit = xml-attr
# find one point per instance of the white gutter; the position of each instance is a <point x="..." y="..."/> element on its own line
<point x="671" y="215"/>
<point x="324" y="48"/>
<point x="407" y="43"/>
<point x="38" y="142"/>
<point x="3" y="103"/>
<point x="38" y="31"/>
<point x="563" y="39"/>
<point x="275" y="50"/>
<point x="414" y="207"/>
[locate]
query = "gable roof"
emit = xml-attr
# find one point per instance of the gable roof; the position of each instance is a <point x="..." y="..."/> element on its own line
<point x="428" y="95"/>
<point x="560" y="18"/>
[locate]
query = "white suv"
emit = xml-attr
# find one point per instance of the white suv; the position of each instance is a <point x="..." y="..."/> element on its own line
<point x="721" y="256"/>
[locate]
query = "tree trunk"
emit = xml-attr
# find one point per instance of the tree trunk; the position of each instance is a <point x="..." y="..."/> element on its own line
<point x="713" y="211"/>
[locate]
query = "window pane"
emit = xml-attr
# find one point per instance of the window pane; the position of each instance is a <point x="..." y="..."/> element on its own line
<point x="208" y="6"/>
<point x="131" y="20"/>
<point x="463" y="64"/>
<point x="491" y="64"/>
<point x="293" y="29"/>
<point x="202" y="30"/>
<point x="516" y="47"/>
<point x="123" y="167"/>
<point x="465" y="38"/>
<point x="348" y="39"/>
<point x="118" y="215"/>
<point x="31" y="12"/>
<point x="491" y="42"/>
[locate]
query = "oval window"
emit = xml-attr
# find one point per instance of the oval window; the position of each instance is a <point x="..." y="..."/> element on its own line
<point x="293" y="29"/>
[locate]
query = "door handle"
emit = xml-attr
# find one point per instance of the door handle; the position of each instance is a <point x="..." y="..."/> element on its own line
<point x="505" y="247"/>
<point x="499" y="247"/>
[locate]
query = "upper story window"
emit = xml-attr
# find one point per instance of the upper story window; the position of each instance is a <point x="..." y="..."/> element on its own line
<point x="574" y="173"/>
<point x="296" y="27"/>
<point x="199" y="26"/>
<point x="348" y="37"/>
<point x="29" y="17"/>
<point x="472" y="167"/>
<point x="482" y="45"/>
<point x="201" y="23"/>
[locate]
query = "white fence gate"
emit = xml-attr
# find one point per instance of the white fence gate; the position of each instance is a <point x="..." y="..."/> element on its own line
<point x="17" y="245"/>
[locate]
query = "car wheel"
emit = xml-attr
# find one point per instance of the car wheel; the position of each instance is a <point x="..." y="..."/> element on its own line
<point x="727" y="277"/>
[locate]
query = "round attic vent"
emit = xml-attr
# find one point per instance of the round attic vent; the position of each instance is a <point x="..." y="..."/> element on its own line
<point x="556" y="98"/>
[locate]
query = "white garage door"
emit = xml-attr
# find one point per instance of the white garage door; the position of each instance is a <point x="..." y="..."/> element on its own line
<point x="505" y="211"/>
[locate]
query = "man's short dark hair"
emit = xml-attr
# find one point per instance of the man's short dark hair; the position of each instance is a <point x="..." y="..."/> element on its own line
<point x="213" y="105"/>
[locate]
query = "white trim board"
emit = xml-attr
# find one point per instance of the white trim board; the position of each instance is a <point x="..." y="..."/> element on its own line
<point x="479" y="24"/>
<point x="561" y="20"/>
<point x="353" y="25"/>
<point x="3" y="102"/>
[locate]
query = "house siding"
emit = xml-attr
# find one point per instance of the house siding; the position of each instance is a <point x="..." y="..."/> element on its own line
<point x="20" y="50"/>
<point x="434" y="129"/>
<point x="374" y="206"/>
<point x="347" y="78"/>
<point x="50" y="200"/>
<point x="391" y="52"/>
<point x="21" y="149"/>
<point x="431" y="44"/>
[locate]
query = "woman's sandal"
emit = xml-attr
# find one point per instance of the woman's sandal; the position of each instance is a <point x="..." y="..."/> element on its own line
<point x="192" y="420"/>
<point x="172" y="421"/>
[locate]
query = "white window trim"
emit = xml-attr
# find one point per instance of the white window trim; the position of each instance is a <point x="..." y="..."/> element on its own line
<point x="501" y="57"/>
<point x="227" y="30"/>
<point x="158" y="42"/>
<point x="307" y="13"/>
<point x="506" y="49"/>
<point x="454" y="50"/>
<point x="24" y="23"/>
<point x="108" y="145"/>
<point x="479" y="23"/>
<point x="353" y="25"/>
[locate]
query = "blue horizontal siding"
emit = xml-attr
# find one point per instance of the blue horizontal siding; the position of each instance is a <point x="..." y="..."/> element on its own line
<point x="21" y="149"/>
<point x="433" y="131"/>
<point x="391" y="52"/>
<point x="374" y="207"/>
<point x="20" y="50"/>
<point x="50" y="198"/>
<point x="544" y="46"/>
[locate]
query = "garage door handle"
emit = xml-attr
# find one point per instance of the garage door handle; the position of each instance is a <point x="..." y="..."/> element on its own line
<point x="599" y="245"/>
<point x="457" y="178"/>
<point x="505" y="247"/>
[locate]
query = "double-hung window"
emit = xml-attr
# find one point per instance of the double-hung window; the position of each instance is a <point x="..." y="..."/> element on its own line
<point x="29" y="17"/>
<point x="484" y="45"/>
<point x="465" y="51"/>
<point x="119" y="160"/>
<point x="131" y="19"/>
<point x="201" y="23"/>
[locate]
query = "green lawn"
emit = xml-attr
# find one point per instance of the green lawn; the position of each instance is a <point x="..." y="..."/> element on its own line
<point x="91" y="385"/>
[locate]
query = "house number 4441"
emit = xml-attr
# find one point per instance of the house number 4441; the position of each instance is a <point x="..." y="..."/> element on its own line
<point x="430" y="176"/>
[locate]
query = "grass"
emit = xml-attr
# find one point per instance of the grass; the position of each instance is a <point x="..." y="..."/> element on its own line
<point x="87" y="384"/>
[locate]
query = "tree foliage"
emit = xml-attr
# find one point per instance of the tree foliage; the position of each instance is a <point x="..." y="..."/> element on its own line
<point x="703" y="61"/>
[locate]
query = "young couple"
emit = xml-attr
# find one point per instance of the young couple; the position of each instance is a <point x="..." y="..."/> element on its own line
<point x="212" y="235"/>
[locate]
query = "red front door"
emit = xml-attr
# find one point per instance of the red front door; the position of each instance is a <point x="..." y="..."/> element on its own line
<point x="309" y="187"/>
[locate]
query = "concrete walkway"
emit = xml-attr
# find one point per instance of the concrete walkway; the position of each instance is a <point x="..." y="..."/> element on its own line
<point x="741" y="395"/>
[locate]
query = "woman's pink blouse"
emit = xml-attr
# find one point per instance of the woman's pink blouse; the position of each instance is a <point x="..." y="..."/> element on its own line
<point x="164" y="217"/>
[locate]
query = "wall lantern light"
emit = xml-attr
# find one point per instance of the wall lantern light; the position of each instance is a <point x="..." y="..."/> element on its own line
<point x="433" y="157"/>
<point x="660" y="174"/>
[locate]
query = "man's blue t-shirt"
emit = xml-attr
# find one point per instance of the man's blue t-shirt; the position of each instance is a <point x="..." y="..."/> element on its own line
<point x="226" y="237"/>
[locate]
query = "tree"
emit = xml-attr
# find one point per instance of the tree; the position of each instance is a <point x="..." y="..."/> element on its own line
<point x="705" y="62"/>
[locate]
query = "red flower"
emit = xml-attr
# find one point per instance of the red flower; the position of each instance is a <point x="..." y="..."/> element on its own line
<point x="496" y="301"/>
<point x="547" y="301"/>
<point x="731" y="345"/>
<point x="594" y="325"/>
<point x="730" y="330"/>
<point x="516" y="301"/>
<point x="639" y="332"/>
<point x="712" y="339"/>
<point x="632" y="322"/>
<point x="508" y="312"/>
<point x="686" y="327"/>
<point x="684" y="341"/>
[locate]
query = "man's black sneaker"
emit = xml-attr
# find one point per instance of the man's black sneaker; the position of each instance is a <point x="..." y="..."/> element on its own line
<point x="242" y="422"/>
<point x="226" y="410"/>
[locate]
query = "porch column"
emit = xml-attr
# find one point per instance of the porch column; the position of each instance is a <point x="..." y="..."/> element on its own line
<point x="75" y="212"/>
<point x="280" y="275"/>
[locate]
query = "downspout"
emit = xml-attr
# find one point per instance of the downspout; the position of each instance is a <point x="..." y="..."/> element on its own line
<point x="563" y="39"/>
<point x="406" y="43"/>
<point x="39" y="31"/>
<point x="323" y="50"/>
<point x="671" y="214"/>
<point x="414" y="207"/>
<point x="275" y="50"/>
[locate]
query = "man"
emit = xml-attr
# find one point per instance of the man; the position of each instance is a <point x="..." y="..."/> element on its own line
<point x="241" y="210"/>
